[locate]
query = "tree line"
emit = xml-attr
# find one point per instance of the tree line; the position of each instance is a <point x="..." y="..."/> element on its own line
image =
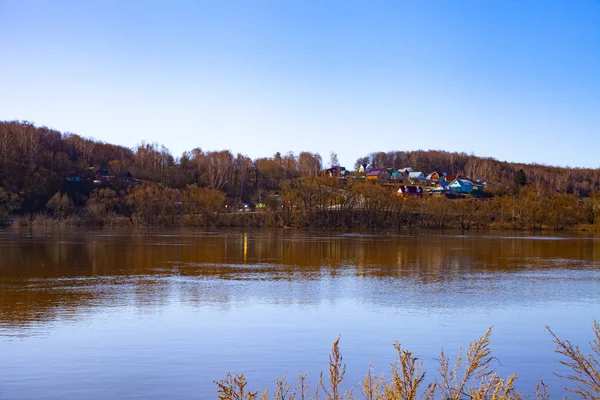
<point x="49" y="173"/>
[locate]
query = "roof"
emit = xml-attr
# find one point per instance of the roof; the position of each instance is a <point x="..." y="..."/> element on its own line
<point x="451" y="178"/>
<point x="410" y="189"/>
<point x="376" y="171"/>
<point x="415" y="174"/>
<point x="408" y="169"/>
<point x="431" y="174"/>
<point x="462" y="182"/>
<point x="443" y="189"/>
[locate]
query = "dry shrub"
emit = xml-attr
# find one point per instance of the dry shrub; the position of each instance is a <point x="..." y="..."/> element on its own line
<point x="234" y="388"/>
<point x="471" y="376"/>
<point x="585" y="368"/>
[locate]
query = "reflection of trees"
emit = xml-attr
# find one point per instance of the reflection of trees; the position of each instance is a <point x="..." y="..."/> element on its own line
<point x="46" y="276"/>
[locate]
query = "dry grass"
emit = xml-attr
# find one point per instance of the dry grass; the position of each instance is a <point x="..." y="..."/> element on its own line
<point x="584" y="368"/>
<point x="471" y="376"/>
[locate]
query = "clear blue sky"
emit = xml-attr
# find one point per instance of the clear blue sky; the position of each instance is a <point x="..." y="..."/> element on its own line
<point x="517" y="80"/>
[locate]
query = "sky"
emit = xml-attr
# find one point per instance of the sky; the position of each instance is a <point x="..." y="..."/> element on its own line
<point x="517" y="80"/>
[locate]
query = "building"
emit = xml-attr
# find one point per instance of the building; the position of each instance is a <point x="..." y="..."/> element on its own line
<point x="407" y="191"/>
<point x="379" y="174"/>
<point x="334" y="172"/>
<point x="452" y="178"/>
<point x="434" y="176"/>
<point x="462" y="186"/>
<point x="397" y="176"/>
<point x="364" y="168"/>
<point x="416" y="176"/>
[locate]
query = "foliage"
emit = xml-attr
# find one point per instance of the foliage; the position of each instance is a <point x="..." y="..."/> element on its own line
<point x="104" y="203"/>
<point x="8" y="203"/>
<point x="206" y="202"/>
<point x="520" y="178"/>
<point x="60" y="205"/>
<point x="154" y="205"/>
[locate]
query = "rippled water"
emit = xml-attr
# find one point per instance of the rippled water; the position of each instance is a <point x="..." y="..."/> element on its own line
<point x="132" y="314"/>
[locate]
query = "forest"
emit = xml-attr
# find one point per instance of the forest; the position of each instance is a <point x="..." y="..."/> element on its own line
<point x="49" y="177"/>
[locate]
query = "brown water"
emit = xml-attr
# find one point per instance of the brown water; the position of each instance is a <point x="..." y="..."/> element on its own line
<point x="131" y="315"/>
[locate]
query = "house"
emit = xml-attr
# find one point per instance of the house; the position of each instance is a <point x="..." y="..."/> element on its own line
<point x="397" y="176"/>
<point x="123" y="178"/>
<point x="73" y="179"/>
<point x="478" y="187"/>
<point x="416" y="176"/>
<point x="379" y="174"/>
<point x="452" y="178"/>
<point x="102" y="176"/>
<point x="246" y="207"/>
<point x="443" y="191"/>
<point x="462" y="186"/>
<point x="334" y="172"/>
<point x="407" y="191"/>
<point x="364" y="168"/>
<point x="434" y="176"/>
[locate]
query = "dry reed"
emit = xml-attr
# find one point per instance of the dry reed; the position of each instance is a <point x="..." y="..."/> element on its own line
<point x="471" y="376"/>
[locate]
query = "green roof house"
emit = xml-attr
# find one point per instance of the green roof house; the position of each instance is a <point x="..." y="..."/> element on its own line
<point x="462" y="185"/>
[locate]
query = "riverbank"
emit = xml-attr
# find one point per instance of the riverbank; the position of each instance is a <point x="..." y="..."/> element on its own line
<point x="327" y="220"/>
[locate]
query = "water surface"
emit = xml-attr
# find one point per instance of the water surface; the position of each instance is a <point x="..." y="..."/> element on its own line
<point x="132" y="314"/>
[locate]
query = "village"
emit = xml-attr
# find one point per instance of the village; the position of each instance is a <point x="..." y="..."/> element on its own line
<point x="411" y="183"/>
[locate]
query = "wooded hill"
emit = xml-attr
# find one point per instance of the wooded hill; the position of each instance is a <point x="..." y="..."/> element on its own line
<point x="43" y="170"/>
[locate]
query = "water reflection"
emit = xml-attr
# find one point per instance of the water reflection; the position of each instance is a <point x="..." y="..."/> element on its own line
<point x="45" y="276"/>
<point x="163" y="314"/>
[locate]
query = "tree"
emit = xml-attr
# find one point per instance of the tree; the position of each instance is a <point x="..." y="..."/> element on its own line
<point x="520" y="178"/>
<point x="60" y="205"/>
<point x="309" y="164"/>
<point x="206" y="202"/>
<point x="333" y="157"/>
<point x="103" y="203"/>
<point x="8" y="203"/>
<point x="153" y="205"/>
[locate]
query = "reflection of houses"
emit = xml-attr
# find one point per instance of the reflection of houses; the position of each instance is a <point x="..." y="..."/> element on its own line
<point x="462" y="186"/>
<point x="406" y="191"/>
<point x="379" y="174"/>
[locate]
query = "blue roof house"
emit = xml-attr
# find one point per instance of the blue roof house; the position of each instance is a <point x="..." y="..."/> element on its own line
<point x="462" y="186"/>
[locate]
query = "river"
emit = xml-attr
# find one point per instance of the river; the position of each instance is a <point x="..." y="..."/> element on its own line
<point x="126" y="314"/>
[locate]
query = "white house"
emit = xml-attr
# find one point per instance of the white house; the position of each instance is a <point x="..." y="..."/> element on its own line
<point x="364" y="168"/>
<point x="416" y="176"/>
